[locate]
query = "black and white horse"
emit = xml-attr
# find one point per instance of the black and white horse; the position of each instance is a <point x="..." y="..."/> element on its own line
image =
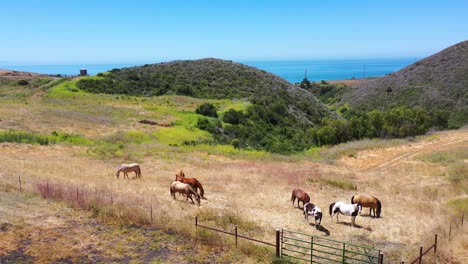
<point x="345" y="209"/>
<point x="315" y="211"/>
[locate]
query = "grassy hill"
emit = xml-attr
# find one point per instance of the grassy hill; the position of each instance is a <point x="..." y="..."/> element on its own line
<point x="438" y="83"/>
<point x="276" y="120"/>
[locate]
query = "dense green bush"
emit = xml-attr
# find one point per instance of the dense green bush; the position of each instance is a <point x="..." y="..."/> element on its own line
<point x="207" y="109"/>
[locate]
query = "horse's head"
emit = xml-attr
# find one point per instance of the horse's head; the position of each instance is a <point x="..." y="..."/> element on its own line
<point x="359" y="206"/>
<point x="317" y="212"/>
<point x="179" y="174"/>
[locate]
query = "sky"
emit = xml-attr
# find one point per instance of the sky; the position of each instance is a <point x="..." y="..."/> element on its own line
<point x="85" y="31"/>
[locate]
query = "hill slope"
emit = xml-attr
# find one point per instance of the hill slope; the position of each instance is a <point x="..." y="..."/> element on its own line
<point x="436" y="83"/>
<point x="209" y="79"/>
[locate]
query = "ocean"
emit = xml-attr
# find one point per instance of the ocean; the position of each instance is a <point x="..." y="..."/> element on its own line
<point x="291" y="70"/>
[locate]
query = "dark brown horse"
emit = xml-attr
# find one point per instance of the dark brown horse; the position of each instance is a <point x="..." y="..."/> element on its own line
<point x="300" y="195"/>
<point x="193" y="182"/>
<point x="368" y="201"/>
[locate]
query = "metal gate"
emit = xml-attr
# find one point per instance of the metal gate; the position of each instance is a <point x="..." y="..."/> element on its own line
<point x="303" y="248"/>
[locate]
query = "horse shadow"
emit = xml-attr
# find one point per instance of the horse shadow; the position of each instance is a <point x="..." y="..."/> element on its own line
<point x="355" y="226"/>
<point x="321" y="229"/>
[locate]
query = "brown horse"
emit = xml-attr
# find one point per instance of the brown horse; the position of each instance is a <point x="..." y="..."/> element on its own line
<point x="126" y="168"/>
<point x="368" y="201"/>
<point x="301" y="196"/>
<point x="185" y="189"/>
<point x="194" y="183"/>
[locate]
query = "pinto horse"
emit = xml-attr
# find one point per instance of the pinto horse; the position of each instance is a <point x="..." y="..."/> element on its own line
<point x="193" y="182"/>
<point x="315" y="211"/>
<point x="185" y="189"/>
<point x="126" y="168"/>
<point x="300" y="195"/>
<point x="345" y="209"/>
<point x="369" y="201"/>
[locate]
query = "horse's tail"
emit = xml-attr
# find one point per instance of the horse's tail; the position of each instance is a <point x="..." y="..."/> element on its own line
<point x="292" y="196"/>
<point x="352" y="199"/>
<point x="202" y="192"/>
<point x="331" y="208"/>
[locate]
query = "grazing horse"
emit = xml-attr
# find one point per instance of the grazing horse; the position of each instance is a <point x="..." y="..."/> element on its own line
<point x="301" y="196"/>
<point x="194" y="183"/>
<point x="126" y="168"/>
<point x="368" y="201"/>
<point x="185" y="189"/>
<point x="315" y="211"/>
<point x="345" y="209"/>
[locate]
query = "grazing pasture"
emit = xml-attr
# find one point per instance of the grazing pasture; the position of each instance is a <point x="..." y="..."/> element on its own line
<point x="249" y="188"/>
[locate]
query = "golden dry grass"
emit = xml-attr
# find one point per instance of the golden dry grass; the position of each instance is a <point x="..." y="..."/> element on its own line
<point x="413" y="192"/>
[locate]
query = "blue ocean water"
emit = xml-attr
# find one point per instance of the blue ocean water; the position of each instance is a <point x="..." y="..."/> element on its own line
<point x="291" y="70"/>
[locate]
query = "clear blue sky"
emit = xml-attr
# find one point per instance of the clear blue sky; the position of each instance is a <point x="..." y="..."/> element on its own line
<point x="85" y="31"/>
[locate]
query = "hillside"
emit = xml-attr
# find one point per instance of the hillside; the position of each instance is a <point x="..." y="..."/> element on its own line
<point x="436" y="83"/>
<point x="209" y="79"/>
<point x="276" y="120"/>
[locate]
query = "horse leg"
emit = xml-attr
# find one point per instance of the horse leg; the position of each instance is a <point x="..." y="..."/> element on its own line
<point x="352" y="221"/>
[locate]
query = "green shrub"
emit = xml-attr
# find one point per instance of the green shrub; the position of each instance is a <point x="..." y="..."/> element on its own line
<point x="22" y="82"/>
<point x="207" y="109"/>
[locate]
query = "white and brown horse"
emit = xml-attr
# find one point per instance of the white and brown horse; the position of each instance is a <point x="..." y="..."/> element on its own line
<point x="315" y="211"/>
<point x="345" y="209"/>
<point x="185" y="189"/>
<point x="126" y="168"/>
<point x="369" y="201"/>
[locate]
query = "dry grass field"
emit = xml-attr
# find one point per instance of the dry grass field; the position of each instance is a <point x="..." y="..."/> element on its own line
<point x="419" y="197"/>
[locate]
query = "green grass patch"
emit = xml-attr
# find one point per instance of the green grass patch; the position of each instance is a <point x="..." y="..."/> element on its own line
<point x="34" y="138"/>
<point x="341" y="184"/>
<point x="459" y="205"/>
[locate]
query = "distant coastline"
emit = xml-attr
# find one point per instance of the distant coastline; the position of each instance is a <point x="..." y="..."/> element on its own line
<point x="291" y="70"/>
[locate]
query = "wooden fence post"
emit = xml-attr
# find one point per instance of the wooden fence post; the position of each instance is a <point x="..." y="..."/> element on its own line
<point x="196" y="223"/>
<point x="151" y="212"/>
<point x="19" y="179"/>
<point x="47" y="188"/>
<point x="435" y="249"/>
<point x="420" y="254"/>
<point x="402" y="262"/>
<point x="235" y="232"/>
<point x="381" y="258"/>
<point x="450" y="231"/>
<point x="277" y="243"/>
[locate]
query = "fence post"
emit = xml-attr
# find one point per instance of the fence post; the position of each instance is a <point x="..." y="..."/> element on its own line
<point x="196" y="223"/>
<point x="277" y="242"/>
<point x="19" y="179"/>
<point x="450" y="231"/>
<point x="311" y="249"/>
<point x="435" y="248"/>
<point x="344" y="258"/>
<point x="77" y="197"/>
<point x="381" y="258"/>
<point x="402" y="262"/>
<point x="47" y="188"/>
<point x="420" y="254"/>
<point x="151" y="212"/>
<point x="235" y="232"/>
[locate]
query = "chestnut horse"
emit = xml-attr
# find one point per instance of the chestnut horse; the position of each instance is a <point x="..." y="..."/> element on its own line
<point x="185" y="189"/>
<point x="300" y="195"/>
<point x="193" y="182"/>
<point x="368" y="201"/>
<point x="126" y="168"/>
